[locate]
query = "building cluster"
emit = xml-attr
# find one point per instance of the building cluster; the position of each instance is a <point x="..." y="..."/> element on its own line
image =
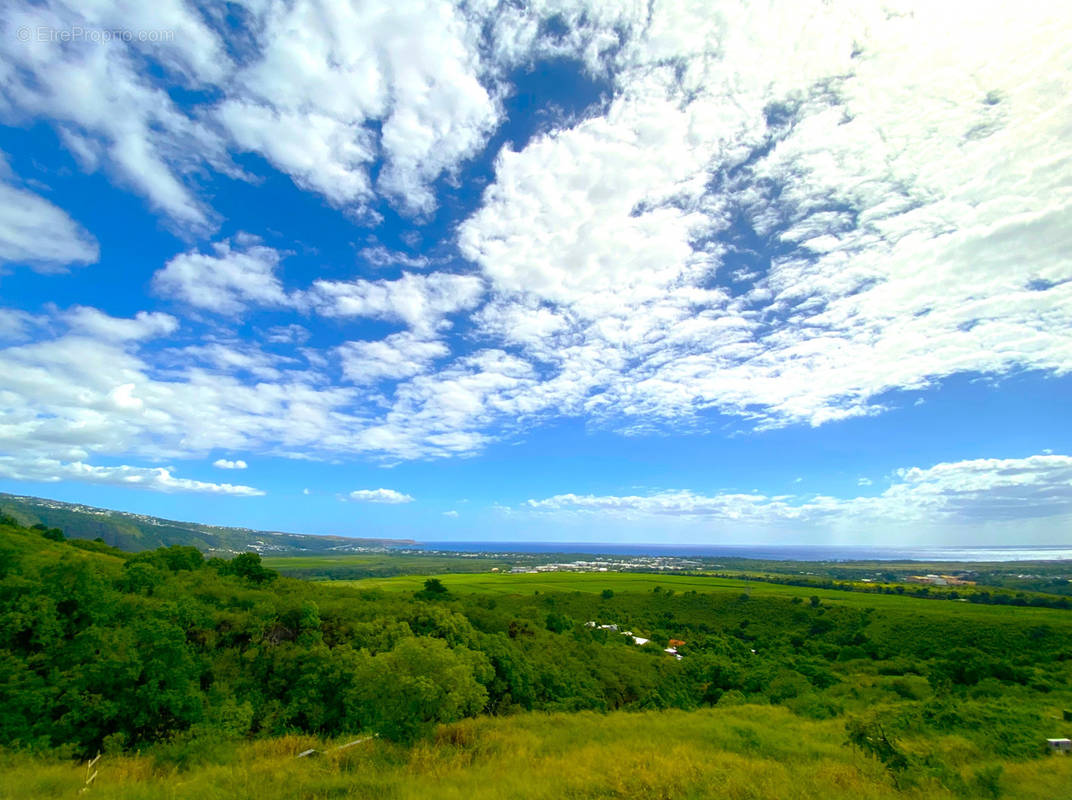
<point x="643" y="563"/>
<point x="671" y="649"/>
<point x="940" y="580"/>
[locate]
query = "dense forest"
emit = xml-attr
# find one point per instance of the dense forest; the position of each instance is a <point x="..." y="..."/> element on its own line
<point x="106" y="651"/>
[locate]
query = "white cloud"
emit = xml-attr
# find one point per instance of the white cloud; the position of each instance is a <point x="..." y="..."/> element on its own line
<point x="234" y="277"/>
<point x="379" y="256"/>
<point x="103" y="102"/>
<point x="36" y="233"/>
<point x="91" y="322"/>
<point x="911" y="246"/>
<point x="322" y="89"/>
<point x="388" y="496"/>
<point x="16" y="325"/>
<point x="452" y="514"/>
<point x="157" y="479"/>
<point x="623" y="258"/>
<point x="232" y="359"/>
<point x="962" y="492"/>
<point x="323" y="71"/>
<point x="419" y="301"/>
<point x="401" y="355"/>
<point x="97" y="387"/>
<point x="863" y="481"/>
<point x="446" y="413"/>
<point x="223" y="463"/>
<point x="287" y="334"/>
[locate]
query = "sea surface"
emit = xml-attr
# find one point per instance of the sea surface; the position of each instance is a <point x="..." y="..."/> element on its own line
<point x="764" y="552"/>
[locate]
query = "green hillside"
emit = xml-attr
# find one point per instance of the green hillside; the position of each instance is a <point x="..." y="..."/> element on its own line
<point x="134" y="532"/>
<point x="200" y="677"/>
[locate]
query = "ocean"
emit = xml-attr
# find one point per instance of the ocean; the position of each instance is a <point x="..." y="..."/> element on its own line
<point x="765" y="552"/>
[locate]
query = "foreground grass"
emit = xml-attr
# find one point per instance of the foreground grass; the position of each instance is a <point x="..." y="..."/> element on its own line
<point x="734" y="752"/>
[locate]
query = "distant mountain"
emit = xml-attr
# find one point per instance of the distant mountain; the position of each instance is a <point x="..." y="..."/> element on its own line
<point x="135" y="532"/>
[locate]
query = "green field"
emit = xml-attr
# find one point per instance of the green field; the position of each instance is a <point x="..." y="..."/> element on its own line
<point x="377" y="565"/>
<point x="633" y="582"/>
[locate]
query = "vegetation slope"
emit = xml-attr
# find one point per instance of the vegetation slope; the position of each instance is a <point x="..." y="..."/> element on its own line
<point x="198" y="677"/>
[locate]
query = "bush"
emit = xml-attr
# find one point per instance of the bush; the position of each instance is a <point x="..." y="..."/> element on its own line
<point x="988" y="780"/>
<point x="787" y="686"/>
<point x="248" y="566"/>
<point x="403" y="693"/>
<point x="814" y="706"/>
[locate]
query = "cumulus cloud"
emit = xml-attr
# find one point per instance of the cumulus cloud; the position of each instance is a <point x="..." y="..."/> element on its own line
<point x="231" y="358"/>
<point x="157" y="479"/>
<point x="321" y="72"/>
<point x="959" y="492"/>
<point x="235" y="276"/>
<point x="379" y="256"/>
<point x="95" y="324"/>
<point x="16" y="325"/>
<point x="401" y="355"/>
<point x="322" y="89"/>
<point x="388" y="496"/>
<point x="764" y="231"/>
<point x="751" y="223"/>
<point x="419" y="301"/>
<point x="35" y="233"/>
<point x="287" y="334"/>
<point x="223" y="463"/>
<point x="95" y="386"/>
<point x="103" y="102"/>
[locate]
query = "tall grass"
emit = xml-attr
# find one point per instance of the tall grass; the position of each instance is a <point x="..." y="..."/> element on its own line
<point x="729" y="753"/>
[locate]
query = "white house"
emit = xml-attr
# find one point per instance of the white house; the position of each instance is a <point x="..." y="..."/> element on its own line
<point x="1060" y="745"/>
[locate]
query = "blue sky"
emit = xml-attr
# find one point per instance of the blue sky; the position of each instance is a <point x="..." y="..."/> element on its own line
<point x="569" y="272"/>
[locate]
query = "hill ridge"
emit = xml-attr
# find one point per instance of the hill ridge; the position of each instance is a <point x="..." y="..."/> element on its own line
<point x="133" y="532"/>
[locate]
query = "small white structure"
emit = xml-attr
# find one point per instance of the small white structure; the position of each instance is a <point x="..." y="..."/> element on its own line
<point x="640" y="640"/>
<point x="1063" y="746"/>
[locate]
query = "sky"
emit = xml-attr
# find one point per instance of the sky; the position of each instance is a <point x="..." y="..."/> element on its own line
<point x="567" y="270"/>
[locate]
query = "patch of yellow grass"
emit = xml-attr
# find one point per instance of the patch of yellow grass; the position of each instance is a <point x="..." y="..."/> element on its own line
<point x="736" y="753"/>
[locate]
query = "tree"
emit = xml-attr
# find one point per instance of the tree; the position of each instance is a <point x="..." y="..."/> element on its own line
<point x="558" y="623"/>
<point x="407" y="691"/>
<point x="55" y="534"/>
<point x="248" y="565"/>
<point x="434" y="586"/>
<point x="433" y="590"/>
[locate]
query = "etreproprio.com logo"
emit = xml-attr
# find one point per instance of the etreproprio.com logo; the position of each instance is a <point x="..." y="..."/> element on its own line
<point x="77" y="33"/>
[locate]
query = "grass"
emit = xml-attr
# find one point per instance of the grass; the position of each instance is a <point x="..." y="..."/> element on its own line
<point x="329" y="567"/>
<point x="734" y="752"/>
<point x="546" y="582"/>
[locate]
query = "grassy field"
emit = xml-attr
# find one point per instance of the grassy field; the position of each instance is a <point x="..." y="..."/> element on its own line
<point x="595" y="582"/>
<point x="736" y="752"/>
<point x="335" y="567"/>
